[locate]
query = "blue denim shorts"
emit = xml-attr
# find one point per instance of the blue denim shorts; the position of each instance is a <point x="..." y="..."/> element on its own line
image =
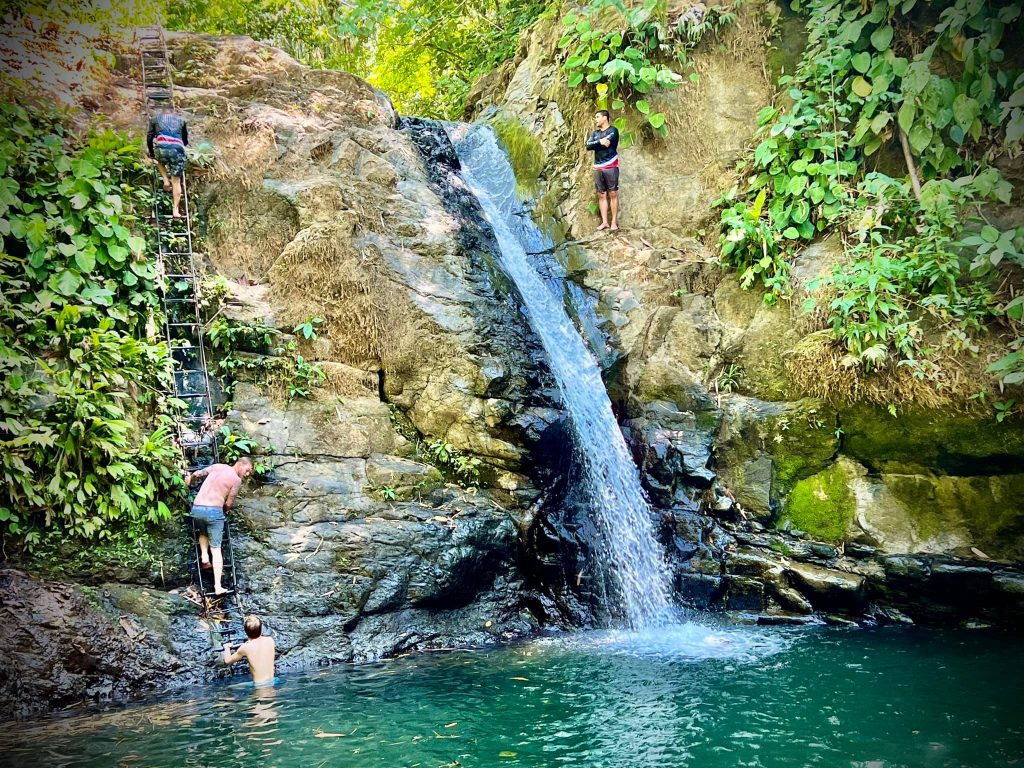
<point x="210" y="520"/>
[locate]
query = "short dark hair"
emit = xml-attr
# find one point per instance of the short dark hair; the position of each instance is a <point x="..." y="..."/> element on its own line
<point x="244" y="460"/>
<point x="604" y="112"/>
<point x="253" y="626"/>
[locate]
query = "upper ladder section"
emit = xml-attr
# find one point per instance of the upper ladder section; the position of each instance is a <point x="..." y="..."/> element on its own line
<point x="176" y="263"/>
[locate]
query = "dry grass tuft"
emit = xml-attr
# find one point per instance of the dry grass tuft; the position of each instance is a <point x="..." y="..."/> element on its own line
<point x="819" y="366"/>
<point x="343" y="381"/>
<point x="248" y="230"/>
<point x="245" y="149"/>
<point x="368" y="319"/>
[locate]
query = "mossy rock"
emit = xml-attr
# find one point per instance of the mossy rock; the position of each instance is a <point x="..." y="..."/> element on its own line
<point x="525" y="153"/>
<point x="987" y="511"/>
<point x="822" y="506"/>
<point x="941" y="441"/>
<point x="798" y="438"/>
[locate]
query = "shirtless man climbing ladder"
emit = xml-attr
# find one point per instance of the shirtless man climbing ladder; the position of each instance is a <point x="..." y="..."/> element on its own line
<point x="216" y="498"/>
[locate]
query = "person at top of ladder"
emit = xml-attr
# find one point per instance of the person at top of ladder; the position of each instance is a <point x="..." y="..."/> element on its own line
<point x="166" y="142"/>
<point x="215" y="499"/>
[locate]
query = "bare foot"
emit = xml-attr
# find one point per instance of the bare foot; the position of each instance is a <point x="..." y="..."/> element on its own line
<point x="222" y="591"/>
<point x="206" y="565"/>
<point x="602" y="226"/>
<point x="167" y="186"/>
<point x="175" y="216"/>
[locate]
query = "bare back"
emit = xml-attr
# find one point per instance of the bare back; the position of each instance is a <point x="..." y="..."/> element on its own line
<point x="219" y="488"/>
<point x="260" y="653"/>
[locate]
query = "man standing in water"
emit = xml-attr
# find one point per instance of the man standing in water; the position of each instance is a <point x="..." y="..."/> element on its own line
<point x="216" y="497"/>
<point x="258" y="650"/>
<point x="604" y="143"/>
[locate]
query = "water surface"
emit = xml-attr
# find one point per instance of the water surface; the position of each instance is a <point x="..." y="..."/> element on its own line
<point x="686" y="696"/>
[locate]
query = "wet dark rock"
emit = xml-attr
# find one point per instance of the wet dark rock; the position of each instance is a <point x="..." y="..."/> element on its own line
<point x="744" y="594"/>
<point x="62" y="643"/>
<point x="829" y="589"/>
<point x="673" y="451"/>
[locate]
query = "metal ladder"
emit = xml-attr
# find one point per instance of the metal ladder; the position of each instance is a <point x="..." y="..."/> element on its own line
<point x="183" y="329"/>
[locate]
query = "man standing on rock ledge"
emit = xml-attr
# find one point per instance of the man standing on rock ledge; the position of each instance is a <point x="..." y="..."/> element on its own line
<point x="604" y="143"/>
<point x="216" y="497"/>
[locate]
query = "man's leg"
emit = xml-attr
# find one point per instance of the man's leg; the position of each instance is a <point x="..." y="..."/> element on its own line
<point x="218" y="569"/>
<point x="216" y="539"/>
<point x="613" y="200"/>
<point x="163" y="175"/>
<point x="176" y="196"/>
<point x="602" y="204"/>
<point x="204" y="548"/>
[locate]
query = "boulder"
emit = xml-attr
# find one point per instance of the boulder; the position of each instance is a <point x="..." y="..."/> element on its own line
<point x="827" y="588"/>
<point x="763" y="449"/>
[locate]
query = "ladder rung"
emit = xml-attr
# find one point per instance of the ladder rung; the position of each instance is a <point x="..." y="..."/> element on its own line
<point x="190" y="395"/>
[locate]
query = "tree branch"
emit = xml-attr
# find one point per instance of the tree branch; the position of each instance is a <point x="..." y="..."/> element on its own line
<point x="909" y="158"/>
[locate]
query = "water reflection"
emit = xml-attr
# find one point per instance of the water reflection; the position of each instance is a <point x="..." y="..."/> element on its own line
<point x="713" y="696"/>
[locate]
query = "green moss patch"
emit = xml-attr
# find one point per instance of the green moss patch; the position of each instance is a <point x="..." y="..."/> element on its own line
<point x="525" y="153"/>
<point x="821" y="505"/>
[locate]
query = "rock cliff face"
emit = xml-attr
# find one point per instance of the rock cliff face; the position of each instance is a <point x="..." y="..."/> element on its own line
<point x="313" y="200"/>
<point x="713" y="383"/>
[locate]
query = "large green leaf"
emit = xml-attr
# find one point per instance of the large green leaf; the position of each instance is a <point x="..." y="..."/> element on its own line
<point x="85" y="259"/>
<point x="657" y="120"/>
<point x="906" y="116"/>
<point x="882" y="37"/>
<point x="920" y="136"/>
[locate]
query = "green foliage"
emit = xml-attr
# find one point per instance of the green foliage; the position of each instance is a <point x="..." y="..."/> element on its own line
<point x="307" y="328"/>
<point x="248" y="352"/>
<point x="612" y="47"/>
<point x="384" y="492"/>
<point x="235" y="445"/>
<point x="619" y="48"/>
<point x="234" y="335"/>
<point x="110" y="18"/>
<point x="426" y="55"/>
<point x="935" y="79"/>
<point x="305" y="30"/>
<point x="729" y="379"/>
<point x="463" y="467"/>
<point x="78" y="454"/>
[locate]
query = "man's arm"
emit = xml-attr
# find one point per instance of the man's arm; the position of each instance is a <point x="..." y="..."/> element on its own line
<point x="150" y="136"/>
<point x="593" y="142"/>
<point x="199" y="474"/>
<point x="229" y="502"/>
<point x="233" y="658"/>
<point x="184" y="133"/>
<point x="613" y="139"/>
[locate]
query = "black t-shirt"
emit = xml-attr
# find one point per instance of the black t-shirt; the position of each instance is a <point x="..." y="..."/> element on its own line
<point x="604" y="154"/>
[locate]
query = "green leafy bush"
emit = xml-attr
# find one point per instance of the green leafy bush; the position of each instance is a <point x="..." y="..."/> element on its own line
<point x="621" y="49"/>
<point x="84" y="449"/>
<point x="931" y="81"/>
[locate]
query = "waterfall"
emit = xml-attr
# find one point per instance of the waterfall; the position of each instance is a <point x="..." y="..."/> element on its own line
<point x="631" y="556"/>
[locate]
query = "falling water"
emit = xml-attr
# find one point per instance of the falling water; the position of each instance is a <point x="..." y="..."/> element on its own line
<point x="631" y="555"/>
